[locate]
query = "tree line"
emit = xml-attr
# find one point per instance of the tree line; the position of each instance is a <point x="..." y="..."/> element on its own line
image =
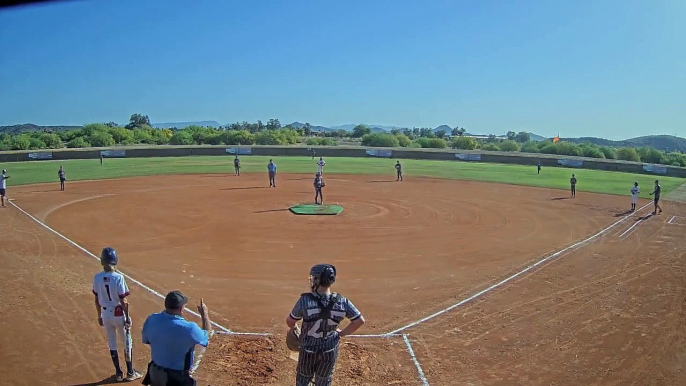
<point x="140" y="131"/>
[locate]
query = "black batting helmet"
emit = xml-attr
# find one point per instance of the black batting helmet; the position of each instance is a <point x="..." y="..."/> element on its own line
<point x="322" y="275"/>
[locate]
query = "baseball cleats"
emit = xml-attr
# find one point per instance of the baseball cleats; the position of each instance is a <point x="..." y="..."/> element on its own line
<point x="132" y="377"/>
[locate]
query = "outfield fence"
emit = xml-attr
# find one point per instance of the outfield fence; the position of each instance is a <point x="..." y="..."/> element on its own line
<point x="546" y="160"/>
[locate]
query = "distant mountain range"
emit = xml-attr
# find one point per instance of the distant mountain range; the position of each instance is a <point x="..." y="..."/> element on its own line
<point x="661" y="142"/>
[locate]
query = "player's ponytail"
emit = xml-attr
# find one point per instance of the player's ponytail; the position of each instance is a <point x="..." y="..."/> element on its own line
<point x="109" y="267"/>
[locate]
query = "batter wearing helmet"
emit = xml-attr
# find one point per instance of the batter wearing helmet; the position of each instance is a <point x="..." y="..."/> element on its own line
<point x="110" y="290"/>
<point x="321" y="312"/>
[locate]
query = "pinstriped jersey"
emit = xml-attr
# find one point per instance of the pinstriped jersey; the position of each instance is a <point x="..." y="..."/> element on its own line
<point x="322" y="333"/>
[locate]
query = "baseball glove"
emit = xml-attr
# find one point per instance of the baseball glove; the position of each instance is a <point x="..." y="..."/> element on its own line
<point x="293" y="339"/>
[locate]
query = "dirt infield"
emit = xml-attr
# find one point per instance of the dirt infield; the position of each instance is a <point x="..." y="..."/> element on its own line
<point x="609" y="312"/>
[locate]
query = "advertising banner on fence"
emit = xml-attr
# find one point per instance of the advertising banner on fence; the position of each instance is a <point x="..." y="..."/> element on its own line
<point x="468" y="157"/>
<point x="239" y="150"/>
<point x="379" y="153"/>
<point x="655" y="169"/>
<point x="42" y="155"/>
<point x="572" y="163"/>
<point x="113" y="153"/>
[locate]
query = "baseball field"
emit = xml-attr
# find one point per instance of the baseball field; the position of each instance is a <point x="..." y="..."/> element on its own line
<point x="467" y="273"/>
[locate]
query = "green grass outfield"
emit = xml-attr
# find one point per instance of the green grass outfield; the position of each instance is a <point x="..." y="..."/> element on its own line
<point x="551" y="177"/>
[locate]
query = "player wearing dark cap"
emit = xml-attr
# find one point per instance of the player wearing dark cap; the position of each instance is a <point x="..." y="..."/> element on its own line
<point x="321" y="312"/>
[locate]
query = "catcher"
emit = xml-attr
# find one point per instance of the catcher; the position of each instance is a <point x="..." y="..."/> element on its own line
<point x="318" y="185"/>
<point x="322" y="311"/>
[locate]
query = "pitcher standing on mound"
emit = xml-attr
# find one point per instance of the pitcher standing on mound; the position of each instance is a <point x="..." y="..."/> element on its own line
<point x="322" y="311"/>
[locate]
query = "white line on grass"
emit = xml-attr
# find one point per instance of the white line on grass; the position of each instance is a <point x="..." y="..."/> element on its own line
<point x="152" y="291"/>
<point x="523" y="271"/>
<point x="635" y="225"/>
<point x="422" y="377"/>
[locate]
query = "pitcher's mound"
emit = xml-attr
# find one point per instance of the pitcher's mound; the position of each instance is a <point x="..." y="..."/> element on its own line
<point x="313" y="209"/>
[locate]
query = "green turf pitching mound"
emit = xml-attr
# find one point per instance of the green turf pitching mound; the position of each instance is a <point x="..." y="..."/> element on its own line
<point x="314" y="210"/>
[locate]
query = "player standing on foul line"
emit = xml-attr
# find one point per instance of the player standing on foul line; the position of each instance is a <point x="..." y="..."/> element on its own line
<point x="3" y="186"/>
<point x="656" y="192"/>
<point x="634" y="196"/>
<point x="322" y="311"/>
<point x="110" y="290"/>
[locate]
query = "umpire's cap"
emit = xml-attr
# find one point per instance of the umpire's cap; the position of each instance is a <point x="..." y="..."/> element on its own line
<point x="175" y="300"/>
<point x="108" y="256"/>
<point x="324" y="274"/>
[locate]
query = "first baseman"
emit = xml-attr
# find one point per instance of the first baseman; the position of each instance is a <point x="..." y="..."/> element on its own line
<point x="321" y="312"/>
<point x="3" y="186"/>
<point x="110" y="290"/>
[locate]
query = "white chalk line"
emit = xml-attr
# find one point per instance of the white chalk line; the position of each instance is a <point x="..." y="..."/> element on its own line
<point x="198" y="358"/>
<point x="422" y="377"/>
<point x="152" y="291"/>
<point x="637" y="223"/>
<point x="671" y="219"/>
<point x="510" y="278"/>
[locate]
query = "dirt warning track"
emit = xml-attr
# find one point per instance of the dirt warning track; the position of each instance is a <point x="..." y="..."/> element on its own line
<point x="404" y="250"/>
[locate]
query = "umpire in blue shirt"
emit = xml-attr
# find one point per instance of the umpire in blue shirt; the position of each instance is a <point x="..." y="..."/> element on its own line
<point x="172" y="340"/>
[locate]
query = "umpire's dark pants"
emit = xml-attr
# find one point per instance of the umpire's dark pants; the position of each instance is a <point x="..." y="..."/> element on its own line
<point x="317" y="364"/>
<point x="159" y="376"/>
<point x="272" y="179"/>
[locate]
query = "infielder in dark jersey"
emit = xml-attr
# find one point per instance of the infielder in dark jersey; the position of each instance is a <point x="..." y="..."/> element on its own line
<point x="572" y="182"/>
<point x="399" y="171"/>
<point x="322" y="311"/>
<point x="63" y="177"/>
<point x="318" y="184"/>
<point x="237" y="166"/>
<point x="656" y="192"/>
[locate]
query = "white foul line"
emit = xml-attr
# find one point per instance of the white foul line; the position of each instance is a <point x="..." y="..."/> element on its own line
<point x="152" y="291"/>
<point x="508" y="279"/>
<point x="635" y="225"/>
<point x="200" y="354"/>
<point x="671" y="219"/>
<point x="422" y="377"/>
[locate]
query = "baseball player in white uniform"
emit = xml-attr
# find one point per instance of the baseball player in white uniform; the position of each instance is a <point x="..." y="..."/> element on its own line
<point x="110" y="290"/>
<point x="3" y="186"/>
<point x="634" y="196"/>
<point x="320" y="165"/>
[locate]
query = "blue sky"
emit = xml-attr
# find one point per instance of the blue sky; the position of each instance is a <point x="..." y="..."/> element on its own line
<point x="610" y="68"/>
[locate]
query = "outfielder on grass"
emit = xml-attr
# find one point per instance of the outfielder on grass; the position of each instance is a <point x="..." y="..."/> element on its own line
<point x="110" y="290"/>
<point x="321" y="312"/>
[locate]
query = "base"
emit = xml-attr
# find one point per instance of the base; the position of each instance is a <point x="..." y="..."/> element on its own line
<point x="314" y="209"/>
